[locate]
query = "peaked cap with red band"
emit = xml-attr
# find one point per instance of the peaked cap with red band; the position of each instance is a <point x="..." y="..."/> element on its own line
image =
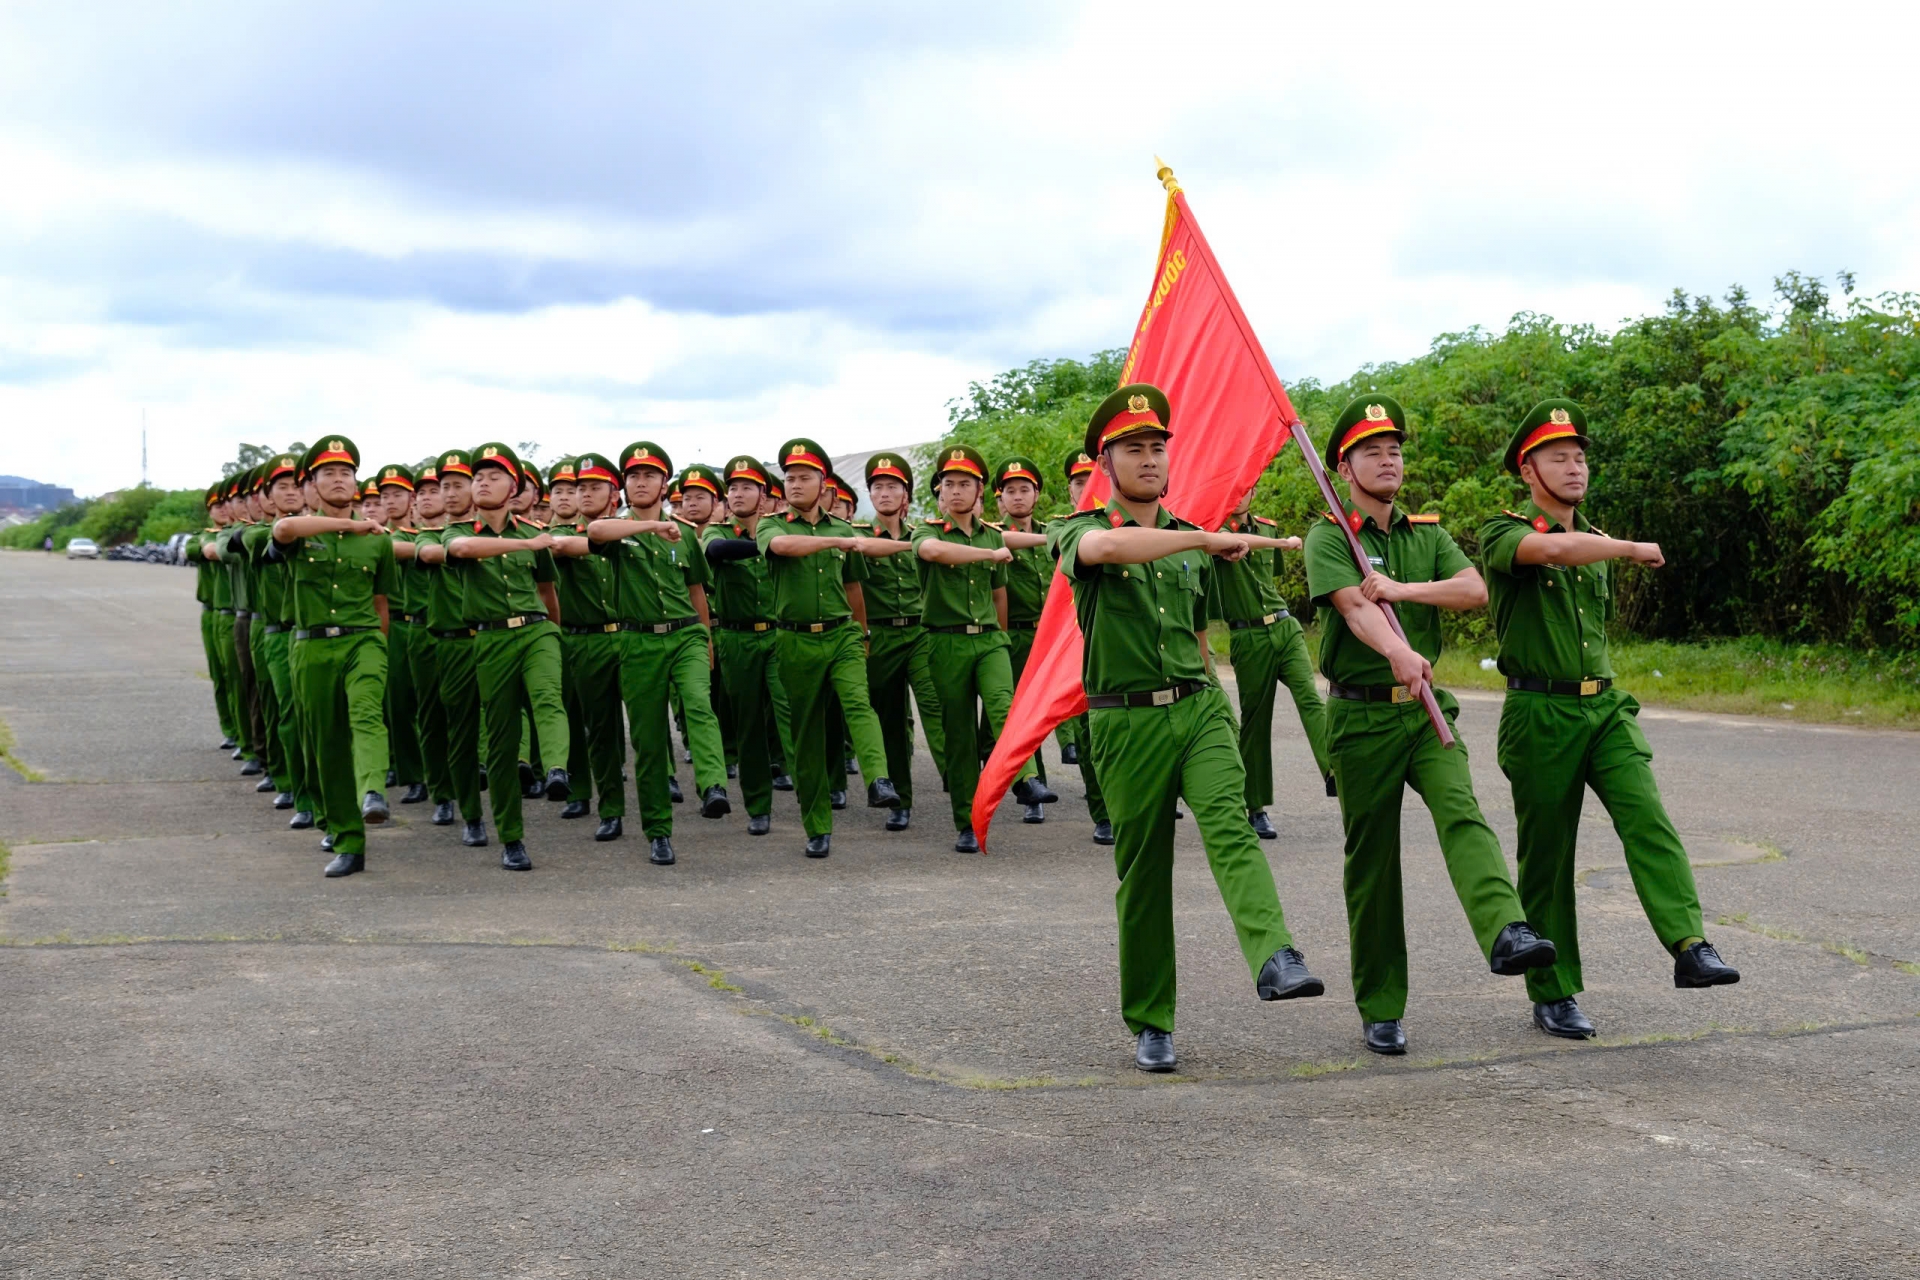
<point x="1134" y="408"/>
<point x="961" y="459"/>
<point x="775" y="484"/>
<point x="1548" y="421"/>
<point x="1366" y="417"/>
<point x="1078" y="463"/>
<point x="331" y="449"/>
<point x="1017" y="467"/>
<point x="456" y="462"/>
<point x="699" y="475"/>
<point x="565" y="469"/>
<point x="395" y="474"/>
<point x="427" y="471"/>
<point x="645" y="453"/>
<point x="284" y="464"/>
<point x="802" y="452"/>
<point x="595" y="466"/>
<point x="495" y="454"/>
<point x="889" y="466"/>
<point x="746" y="467"/>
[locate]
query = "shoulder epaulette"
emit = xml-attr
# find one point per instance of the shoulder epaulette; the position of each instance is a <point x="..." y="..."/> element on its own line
<point x="1515" y="514"/>
<point x="404" y="529"/>
<point x="1331" y="518"/>
<point x="683" y="520"/>
<point x="999" y="528"/>
<point x="1269" y="523"/>
<point x="863" y="524"/>
<point x="1423" y="518"/>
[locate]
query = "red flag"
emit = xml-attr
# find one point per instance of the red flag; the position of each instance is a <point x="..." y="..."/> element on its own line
<point x="1230" y="418"/>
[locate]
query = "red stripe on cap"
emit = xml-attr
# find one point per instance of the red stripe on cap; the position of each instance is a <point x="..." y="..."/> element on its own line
<point x="1080" y="468"/>
<point x="700" y="482"/>
<point x="893" y="471"/>
<point x="399" y="482"/>
<point x="748" y="473"/>
<point x="455" y="468"/>
<point x="1364" y="428"/>
<point x="644" y="460"/>
<point x="1547" y="431"/>
<point x="962" y="464"/>
<point x="1125" y="422"/>
<point x="593" y="471"/>
<point x="1018" y="473"/>
<point x="801" y="458"/>
<point x="333" y="455"/>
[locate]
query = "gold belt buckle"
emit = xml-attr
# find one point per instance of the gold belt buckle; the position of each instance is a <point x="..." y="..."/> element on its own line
<point x="660" y="628"/>
<point x="1163" y="697"/>
<point x="611" y="626"/>
<point x="1269" y="619"/>
<point x="761" y="626"/>
<point x="516" y="621"/>
<point x="973" y="630"/>
<point x="1589" y="687"/>
<point x="1402" y="694"/>
<point x="816" y="627"/>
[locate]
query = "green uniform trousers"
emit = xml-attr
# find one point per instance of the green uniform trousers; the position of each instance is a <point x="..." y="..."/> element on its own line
<point x="758" y="704"/>
<point x="518" y="670"/>
<point x="970" y="672"/>
<point x="1082" y="735"/>
<point x="341" y="685"/>
<point x="594" y="743"/>
<point x="250" y="709"/>
<point x="269" y="702"/>
<point x="816" y="667"/>
<point x="1552" y="748"/>
<point x="1021" y="650"/>
<point x="403" y="704"/>
<point x="430" y="714"/>
<point x="460" y="696"/>
<point x="210" y="624"/>
<point x="1378" y="749"/>
<point x="651" y="666"/>
<point x="235" y="694"/>
<point x="896" y="665"/>
<point x="298" y="771"/>
<point x="1188" y="749"/>
<point x="1265" y="657"/>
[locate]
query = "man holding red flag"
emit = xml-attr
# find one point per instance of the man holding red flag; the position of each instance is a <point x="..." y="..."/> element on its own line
<point x="1159" y="719"/>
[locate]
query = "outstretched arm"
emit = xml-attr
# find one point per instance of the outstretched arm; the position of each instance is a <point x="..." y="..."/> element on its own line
<point x="1584" y="548"/>
<point x="1143" y="546"/>
<point x="474" y="547"/>
<point x="294" y="528"/>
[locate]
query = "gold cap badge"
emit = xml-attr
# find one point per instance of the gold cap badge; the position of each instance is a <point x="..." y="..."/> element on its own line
<point x="1561" y="418"/>
<point x="336" y="446"/>
<point x="489" y="452"/>
<point x="958" y="455"/>
<point x="1136" y="404"/>
<point x="1376" y="413"/>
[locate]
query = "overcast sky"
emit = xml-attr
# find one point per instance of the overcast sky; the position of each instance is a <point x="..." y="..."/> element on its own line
<point x="715" y="226"/>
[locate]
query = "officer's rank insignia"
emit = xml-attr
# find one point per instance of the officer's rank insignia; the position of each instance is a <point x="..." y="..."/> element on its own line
<point x="1376" y="413"/>
<point x="1540" y="522"/>
<point x="1561" y="418"/>
<point x="1115" y="518"/>
<point x="1355" y="520"/>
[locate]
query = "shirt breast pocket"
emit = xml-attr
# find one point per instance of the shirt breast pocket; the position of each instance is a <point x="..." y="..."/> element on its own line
<point x="1193" y="589"/>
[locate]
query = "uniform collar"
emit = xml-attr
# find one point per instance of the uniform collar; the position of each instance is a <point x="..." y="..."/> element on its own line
<point x="1534" y="516"/>
<point x="1358" y="519"/>
<point x="1117" y="516"/>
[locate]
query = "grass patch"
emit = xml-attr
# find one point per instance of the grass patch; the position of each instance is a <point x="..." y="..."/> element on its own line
<point x="1743" y="921"/>
<point x="1308" y="1070"/>
<point x="1823" y="684"/>
<point x="6" y="865"/>
<point x="716" y="978"/>
<point x="14" y="762"/>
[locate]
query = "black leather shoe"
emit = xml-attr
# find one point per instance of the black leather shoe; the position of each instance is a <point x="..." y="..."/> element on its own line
<point x="252" y="769"/>
<point x="882" y="794"/>
<point x="577" y="809"/>
<point x="1027" y="791"/>
<point x="1178" y="812"/>
<point x="1035" y="815"/>
<point x="284" y="800"/>
<point x="514" y="857"/>
<point x="1070" y="754"/>
<point x="1262" y="825"/>
<point x="852" y="764"/>
<point x="238" y="754"/>
<point x="345" y="865"/>
<point x="782" y="782"/>
<point x="227" y="744"/>
<point x="1284" y="977"/>
<point x="609" y="829"/>
<point x="443" y="814"/>
<point x="899" y="819"/>
<point x="301" y="820"/>
<point x="715" y="804"/>
<point x="838" y="799"/>
<point x="1563" y="1018"/>
<point x="475" y="834"/>
<point x="265" y="785"/>
<point x="964" y="842"/>
<point x="1385" y="1037"/>
<point x="1103" y="833"/>
<point x="758" y="824"/>
<point x="673" y="789"/>
<point x="733" y="771"/>
<point x="1701" y="966"/>
<point x="392" y="778"/>
<point x="559" y="786"/>
<point x="1332" y="789"/>
<point x="1518" y="949"/>
<point x="1153" y="1051"/>
<point x="819" y="846"/>
<point x="662" y="855"/>
<point x="415" y="794"/>
<point x="373" y="808"/>
<point x="1043" y="793"/>
<point x="531" y="788"/>
<point x="326" y="842"/>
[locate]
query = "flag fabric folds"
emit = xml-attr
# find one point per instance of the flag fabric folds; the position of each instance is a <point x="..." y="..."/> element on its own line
<point x="1230" y="418"/>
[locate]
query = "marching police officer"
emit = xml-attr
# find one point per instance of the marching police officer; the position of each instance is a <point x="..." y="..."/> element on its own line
<point x="897" y="646"/>
<point x="581" y="492"/>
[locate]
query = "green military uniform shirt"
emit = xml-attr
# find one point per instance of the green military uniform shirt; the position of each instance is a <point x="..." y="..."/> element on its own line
<point x="742" y="589"/>
<point x="651" y="576"/>
<point x="500" y="587"/>
<point x="959" y="595"/>
<point x="1028" y="579"/>
<point x="337" y="575"/>
<point x="1243" y="590"/>
<point x="810" y="588"/>
<point x="1138" y="620"/>
<point x="584" y="583"/>
<point x="1551" y="619"/>
<point x="203" y="568"/>
<point x="1417" y="550"/>
<point x="233" y="558"/>
<point x="220" y="581"/>
<point x="412" y="583"/>
<point x="270" y="581"/>
<point x="893" y="582"/>
<point x="445" y="607"/>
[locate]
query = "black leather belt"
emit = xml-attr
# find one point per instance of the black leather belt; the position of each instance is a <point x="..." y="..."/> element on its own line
<point x="894" y="622"/>
<point x="514" y="623"/>
<point x="745" y="626"/>
<point x="598" y="629"/>
<point x="814" y="628"/>
<point x="414" y="619"/>
<point x="1571" y="688"/>
<point x="457" y="633"/>
<point x="1152" y="698"/>
<point x="1370" y="692"/>
<point x="658" y="628"/>
<point x="1023" y="626"/>
<point x="964" y="629"/>
<point x="1265" y="620"/>
<point x="327" y="633"/>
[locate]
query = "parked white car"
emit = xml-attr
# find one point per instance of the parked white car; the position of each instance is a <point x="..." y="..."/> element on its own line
<point x="83" y="548"/>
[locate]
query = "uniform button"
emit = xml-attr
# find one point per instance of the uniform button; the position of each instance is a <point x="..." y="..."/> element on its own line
<point x="1583" y="644"/>
<point x="1163" y="610"/>
<point x="1579" y="610"/>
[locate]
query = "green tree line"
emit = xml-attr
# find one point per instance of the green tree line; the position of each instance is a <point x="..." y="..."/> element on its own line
<point x="141" y="514"/>
<point x="1773" y="452"/>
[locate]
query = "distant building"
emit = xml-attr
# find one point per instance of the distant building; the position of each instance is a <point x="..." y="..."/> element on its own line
<point x="20" y="494"/>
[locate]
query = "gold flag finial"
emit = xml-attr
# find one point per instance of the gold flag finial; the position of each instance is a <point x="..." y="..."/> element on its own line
<point x="1165" y="174"/>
